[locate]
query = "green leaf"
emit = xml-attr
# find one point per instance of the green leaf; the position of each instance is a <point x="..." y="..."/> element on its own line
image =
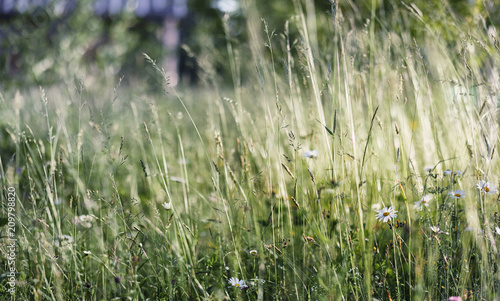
<point x="327" y="129"/>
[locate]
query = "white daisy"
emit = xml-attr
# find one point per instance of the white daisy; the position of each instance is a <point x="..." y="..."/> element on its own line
<point x="436" y="230"/>
<point x="310" y="154"/>
<point x="237" y="283"/>
<point x="486" y="187"/>
<point x="166" y="205"/>
<point x="497" y="230"/>
<point x="64" y="240"/>
<point x="254" y="252"/>
<point x="386" y="214"/>
<point x="87" y="253"/>
<point x="456" y="194"/>
<point x="424" y="201"/>
<point x="84" y="220"/>
<point x="67" y="238"/>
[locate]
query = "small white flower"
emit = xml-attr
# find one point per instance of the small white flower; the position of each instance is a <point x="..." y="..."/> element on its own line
<point x="310" y="154"/>
<point x="67" y="238"/>
<point x="83" y="220"/>
<point x="87" y="253"/>
<point x="437" y="230"/>
<point x="254" y="252"/>
<point x="424" y="201"/>
<point x="497" y="230"/>
<point x="166" y="205"/>
<point x="386" y="214"/>
<point x="456" y="194"/>
<point x="237" y="283"/>
<point x="64" y="240"/>
<point x="486" y="187"/>
<point x="86" y="218"/>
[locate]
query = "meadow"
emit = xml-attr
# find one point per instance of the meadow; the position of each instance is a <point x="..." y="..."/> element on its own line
<point x="338" y="163"/>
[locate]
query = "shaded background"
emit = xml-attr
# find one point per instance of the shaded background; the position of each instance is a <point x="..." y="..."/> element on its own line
<point x="43" y="42"/>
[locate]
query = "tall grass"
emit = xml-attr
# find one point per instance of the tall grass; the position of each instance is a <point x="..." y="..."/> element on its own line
<point x="125" y="194"/>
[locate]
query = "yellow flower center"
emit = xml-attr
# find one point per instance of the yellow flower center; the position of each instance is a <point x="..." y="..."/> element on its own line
<point x="458" y="195"/>
<point x="386" y="213"/>
<point x="486" y="189"/>
<point x="423" y="202"/>
<point x="236" y="284"/>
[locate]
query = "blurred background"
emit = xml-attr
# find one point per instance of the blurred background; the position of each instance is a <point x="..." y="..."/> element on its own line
<point x="46" y="41"/>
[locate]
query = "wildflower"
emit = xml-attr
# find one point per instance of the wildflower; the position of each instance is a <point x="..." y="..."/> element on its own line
<point x="238" y="283"/>
<point x="486" y="187"/>
<point x="84" y="220"/>
<point x="424" y="201"/>
<point x="64" y="240"/>
<point x="310" y="154"/>
<point x="456" y="194"/>
<point x="254" y="252"/>
<point x="386" y="214"/>
<point x="166" y="205"/>
<point x="436" y="230"/>
<point x="456" y="173"/>
<point x="67" y="238"/>
<point x="497" y="230"/>
<point x="455" y="298"/>
<point x="87" y="253"/>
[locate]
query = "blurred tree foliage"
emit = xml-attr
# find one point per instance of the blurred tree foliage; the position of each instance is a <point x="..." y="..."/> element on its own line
<point x="43" y="46"/>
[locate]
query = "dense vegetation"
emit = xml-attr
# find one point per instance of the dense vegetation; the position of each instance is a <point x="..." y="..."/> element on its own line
<point x="272" y="178"/>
